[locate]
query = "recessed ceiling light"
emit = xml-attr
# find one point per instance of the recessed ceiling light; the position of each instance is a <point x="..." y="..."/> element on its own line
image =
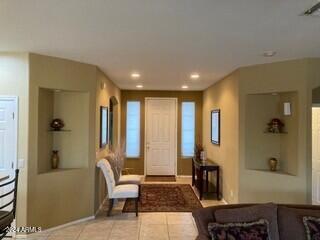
<point x="194" y="76"/>
<point x="135" y="75"/>
<point x="269" y="53"/>
<point x="184" y="87"/>
<point x="139" y="86"/>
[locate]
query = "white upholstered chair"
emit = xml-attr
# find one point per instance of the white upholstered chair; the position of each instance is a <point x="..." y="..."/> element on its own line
<point x="123" y="179"/>
<point x="130" y="179"/>
<point x="117" y="191"/>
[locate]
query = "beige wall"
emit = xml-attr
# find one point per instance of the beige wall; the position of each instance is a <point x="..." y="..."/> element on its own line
<point x="314" y="82"/>
<point x="14" y="82"/>
<point x="184" y="164"/>
<point x="73" y="108"/>
<point x="257" y="186"/>
<point x="45" y="138"/>
<point x="56" y="198"/>
<point x="289" y="142"/>
<point x="261" y="146"/>
<point x="105" y="89"/>
<point x="299" y="77"/>
<point x="260" y="109"/>
<point x="224" y="96"/>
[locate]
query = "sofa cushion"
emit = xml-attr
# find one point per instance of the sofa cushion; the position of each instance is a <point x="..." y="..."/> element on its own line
<point x="253" y="230"/>
<point x="312" y="227"/>
<point x="290" y="222"/>
<point x="249" y="214"/>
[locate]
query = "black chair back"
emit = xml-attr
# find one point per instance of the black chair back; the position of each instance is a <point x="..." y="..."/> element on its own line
<point x="7" y="217"/>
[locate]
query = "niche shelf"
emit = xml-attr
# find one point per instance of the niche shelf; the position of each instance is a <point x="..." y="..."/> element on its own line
<point x="280" y="172"/>
<point x="72" y="141"/>
<point x="261" y="145"/>
<point x="59" y="131"/>
<point x="274" y="133"/>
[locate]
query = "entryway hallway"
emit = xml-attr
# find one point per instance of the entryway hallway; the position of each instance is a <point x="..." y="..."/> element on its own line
<point x="126" y="226"/>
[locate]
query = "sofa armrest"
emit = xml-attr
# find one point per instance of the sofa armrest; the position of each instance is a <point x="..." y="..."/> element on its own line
<point x="202" y="237"/>
<point x="203" y="217"/>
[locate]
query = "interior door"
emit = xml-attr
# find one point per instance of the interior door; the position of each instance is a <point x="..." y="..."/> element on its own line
<point x="316" y="155"/>
<point x="161" y="125"/>
<point x="7" y="144"/>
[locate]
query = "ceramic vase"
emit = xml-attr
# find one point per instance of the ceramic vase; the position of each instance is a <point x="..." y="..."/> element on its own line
<point x="55" y="159"/>
<point x="203" y="156"/>
<point x="273" y="162"/>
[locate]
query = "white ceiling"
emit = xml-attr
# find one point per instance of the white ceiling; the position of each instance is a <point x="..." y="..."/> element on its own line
<point x="165" y="40"/>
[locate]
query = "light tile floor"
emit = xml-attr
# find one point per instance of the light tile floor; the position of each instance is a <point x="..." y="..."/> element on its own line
<point x="126" y="226"/>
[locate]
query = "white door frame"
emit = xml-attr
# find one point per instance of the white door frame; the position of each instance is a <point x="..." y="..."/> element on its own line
<point x="15" y="100"/>
<point x="175" y="135"/>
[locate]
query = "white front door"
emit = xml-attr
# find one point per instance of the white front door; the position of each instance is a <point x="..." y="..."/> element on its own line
<point x="316" y="155"/>
<point x="161" y="131"/>
<point x="8" y="142"/>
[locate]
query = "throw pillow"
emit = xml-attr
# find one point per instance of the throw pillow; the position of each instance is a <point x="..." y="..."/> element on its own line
<point x="290" y="221"/>
<point x="312" y="226"/>
<point x="249" y="214"/>
<point x="258" y="230"/>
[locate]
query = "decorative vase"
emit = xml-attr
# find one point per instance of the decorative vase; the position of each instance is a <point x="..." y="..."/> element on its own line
<point x="203" y="156"/>
<point x="57" y="124"/>
<point x="273" y="162"/>
<point x="55" y="159"/>
<point x="197" y="150"/>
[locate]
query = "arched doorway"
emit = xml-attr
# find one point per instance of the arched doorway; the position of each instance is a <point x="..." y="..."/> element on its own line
<point x="113" y="122"/>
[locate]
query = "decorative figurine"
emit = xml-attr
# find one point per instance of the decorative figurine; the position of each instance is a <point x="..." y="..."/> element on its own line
<point x="57" y="124"/>
<point x="275" y="126"/>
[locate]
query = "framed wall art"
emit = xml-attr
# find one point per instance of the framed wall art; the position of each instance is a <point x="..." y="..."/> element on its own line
<point x="103" y="126"/>
<point x="215" y="126"/>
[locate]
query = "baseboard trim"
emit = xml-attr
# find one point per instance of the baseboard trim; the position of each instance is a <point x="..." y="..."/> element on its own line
<point x="224" y="201"/>
<point x="48" y="230"/>
<point x="184" y="176"/>
<point x="100" y="207"/>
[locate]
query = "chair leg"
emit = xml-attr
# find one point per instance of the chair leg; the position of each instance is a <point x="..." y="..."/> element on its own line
<point x="110" y="206"/>
<point x="139" y="192"/>
<point x="136" y="203"/>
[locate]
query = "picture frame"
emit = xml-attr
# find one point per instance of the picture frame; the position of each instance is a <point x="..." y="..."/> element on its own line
<point x="215" y="126"/>
<point x="103" y="126"/>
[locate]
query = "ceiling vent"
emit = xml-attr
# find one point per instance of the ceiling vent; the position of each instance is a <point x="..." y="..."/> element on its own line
<point x="313" y="11"/>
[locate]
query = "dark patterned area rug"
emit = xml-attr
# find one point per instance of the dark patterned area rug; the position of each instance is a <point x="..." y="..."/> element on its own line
<point x="165" y="198"/>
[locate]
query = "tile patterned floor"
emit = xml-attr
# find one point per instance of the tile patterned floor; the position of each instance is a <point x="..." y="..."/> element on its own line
<point x="125" y="226"/>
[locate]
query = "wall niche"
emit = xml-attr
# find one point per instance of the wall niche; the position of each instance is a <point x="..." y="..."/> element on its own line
<point x="72" y="141"/>
<point x="262" y="145"/>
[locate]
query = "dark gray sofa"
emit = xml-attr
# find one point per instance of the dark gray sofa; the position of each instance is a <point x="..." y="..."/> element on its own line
<point x="289" y="219"/>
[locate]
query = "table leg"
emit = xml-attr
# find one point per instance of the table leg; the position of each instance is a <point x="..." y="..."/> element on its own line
<point x="200" y="184"/>
<point x="207" y="181"/>
<point x="193" y="174"/>
<point x="218" y="184"/>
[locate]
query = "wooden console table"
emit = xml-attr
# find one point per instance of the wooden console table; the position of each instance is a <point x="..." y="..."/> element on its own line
<point x="198" y="169"/>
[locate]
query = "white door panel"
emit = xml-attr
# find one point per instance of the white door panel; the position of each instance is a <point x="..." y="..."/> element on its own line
<point x="160" y="136"/>
<point x="316" y="155"/>
<point x="7" y="144"/>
